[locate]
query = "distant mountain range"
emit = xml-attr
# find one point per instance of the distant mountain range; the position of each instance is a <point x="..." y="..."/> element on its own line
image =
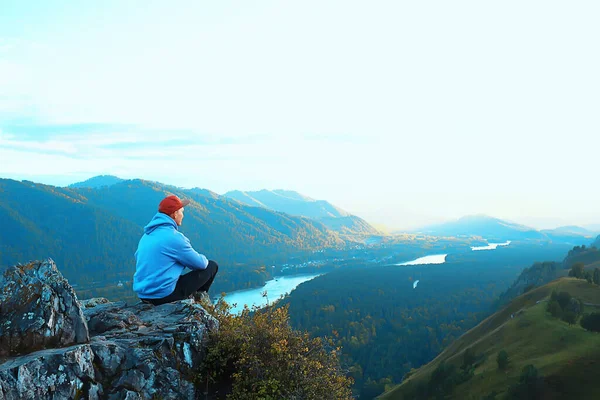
<point x="494" y="229"/>
<point x="294" y="203"/>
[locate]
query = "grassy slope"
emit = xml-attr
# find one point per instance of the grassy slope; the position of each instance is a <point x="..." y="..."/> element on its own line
<point x="558" y="350"/>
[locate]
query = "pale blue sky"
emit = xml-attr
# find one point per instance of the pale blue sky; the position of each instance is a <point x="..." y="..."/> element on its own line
<point x="401" y="112"/>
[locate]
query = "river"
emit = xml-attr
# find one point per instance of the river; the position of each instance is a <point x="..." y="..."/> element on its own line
<point x="441" y="258"/>
<point x="433" y="259"/>
<point x="275" y="288"/>
<point x="490" y="246"/>
<point x="285" y="284"/>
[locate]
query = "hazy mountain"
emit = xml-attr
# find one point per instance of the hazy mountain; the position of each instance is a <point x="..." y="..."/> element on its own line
<point x="574" y="235"/>
<point x="597" y="242"/>
<point x="492" y="229"/>
<point x="294" y="203"/>
<point x="289" y="202"/>
<point x="572" y="230"/>
<point x="97" y="182"/>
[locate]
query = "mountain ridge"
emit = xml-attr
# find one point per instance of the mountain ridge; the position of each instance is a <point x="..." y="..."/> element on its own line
<point x="496" y="229"/>
<point x="294" y="203"/>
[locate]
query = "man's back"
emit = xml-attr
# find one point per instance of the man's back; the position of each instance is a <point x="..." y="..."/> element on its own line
<point x="157" y="268"/>
<point x="162" y="255"/>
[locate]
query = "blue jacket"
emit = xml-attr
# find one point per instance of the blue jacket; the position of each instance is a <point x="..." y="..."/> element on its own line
<point x="161" y="257"/>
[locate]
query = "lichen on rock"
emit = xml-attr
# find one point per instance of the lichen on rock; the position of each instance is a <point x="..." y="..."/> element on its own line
<point x="38" y="309"/>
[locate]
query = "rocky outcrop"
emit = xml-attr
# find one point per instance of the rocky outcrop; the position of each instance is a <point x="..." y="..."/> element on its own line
<point x="38" y="309"/>
<point x="129" y="352"/>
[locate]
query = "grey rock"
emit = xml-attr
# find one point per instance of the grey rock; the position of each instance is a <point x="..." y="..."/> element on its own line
<point x="150" y="350"/>
<point x="95" y="392"/>
<point x="38" y="310"/>
<point x="56" y="373"/>
<point x="93" y="302"/>
<point x="135" y="351"/>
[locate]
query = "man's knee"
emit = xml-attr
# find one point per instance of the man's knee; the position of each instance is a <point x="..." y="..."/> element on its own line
<point x="213" y="265"/>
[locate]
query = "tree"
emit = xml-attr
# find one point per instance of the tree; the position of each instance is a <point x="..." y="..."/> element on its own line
<point x="554" y="308"/>
<point x="575" y="306"/>
<point x="577" y="270"/>
<point x="563" y="298"/>
<point x="569" y="317"/>
<point x="502" y="360"/>
<point x="596" y="278"/>
<point x="469" y="358"/>
<point x="530" y="386"/>
<point x="591" y="322"/>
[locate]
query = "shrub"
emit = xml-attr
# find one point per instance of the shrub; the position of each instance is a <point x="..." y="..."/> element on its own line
<point x="258" y="355"/>
<point x="502" y="360"/>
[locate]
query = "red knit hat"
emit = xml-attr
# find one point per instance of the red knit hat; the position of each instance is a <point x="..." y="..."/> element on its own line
<point x="170" y="204"/>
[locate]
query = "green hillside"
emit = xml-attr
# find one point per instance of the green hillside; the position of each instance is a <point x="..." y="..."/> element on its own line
<point x="565" y="355"/>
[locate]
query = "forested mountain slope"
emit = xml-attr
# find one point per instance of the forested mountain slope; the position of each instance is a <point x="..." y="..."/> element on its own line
<point x="93" y="232"/>
<point x="548" y="358"/>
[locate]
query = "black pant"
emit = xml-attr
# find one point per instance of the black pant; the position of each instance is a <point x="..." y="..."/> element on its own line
<point x="198" y="280"/>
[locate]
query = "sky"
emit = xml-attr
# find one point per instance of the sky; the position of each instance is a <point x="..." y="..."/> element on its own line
<point x="404" y="113"/>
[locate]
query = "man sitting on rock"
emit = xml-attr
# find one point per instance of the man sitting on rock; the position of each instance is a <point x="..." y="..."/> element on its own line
<point x="163" y="254"/>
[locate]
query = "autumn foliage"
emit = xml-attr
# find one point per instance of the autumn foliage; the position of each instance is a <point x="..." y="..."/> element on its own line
<point x="257" y="355"/>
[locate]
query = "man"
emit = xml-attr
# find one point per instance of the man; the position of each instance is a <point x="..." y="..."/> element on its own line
<point x="162" y="255"/>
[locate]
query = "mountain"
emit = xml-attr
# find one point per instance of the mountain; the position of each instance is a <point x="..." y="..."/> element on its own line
<point x="289" y="202"/>
<point x="564" y="356"/>
<point x="294" y="203"/>
<point x="576" y="230"/>
<point x="597" y="242"/>
<point x="489" y="228"/>
<point x="93" y="232"/>
<point x="574" y="235"/>
<point x="97" y="182"/>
